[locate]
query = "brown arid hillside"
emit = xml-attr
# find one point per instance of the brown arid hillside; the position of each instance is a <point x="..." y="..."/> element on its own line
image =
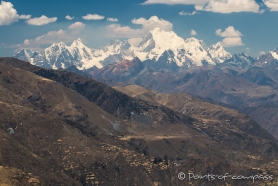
<point x="59" y="128"/>
<point x="213" y="119"/>
<point x="251" y="90"/>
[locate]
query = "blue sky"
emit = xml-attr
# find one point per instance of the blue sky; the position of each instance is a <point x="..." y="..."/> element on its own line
<point x="248" y="26"/>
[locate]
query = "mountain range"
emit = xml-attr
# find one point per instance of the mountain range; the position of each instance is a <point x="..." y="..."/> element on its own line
<point x="167" y="63"/>
<point x="61" y="128"/>
<point x="243" y="83"/>
<point x="175" y="105"/>
<point x="158" y="45"/>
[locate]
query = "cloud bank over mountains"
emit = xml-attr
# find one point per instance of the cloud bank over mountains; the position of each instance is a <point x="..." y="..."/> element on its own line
<point x="118" y="31"/>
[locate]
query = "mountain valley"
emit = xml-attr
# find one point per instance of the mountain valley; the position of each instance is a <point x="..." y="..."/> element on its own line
<point x="139" y="93"/>
<point x="247" y="87"/>
<point x="78" y="131"/>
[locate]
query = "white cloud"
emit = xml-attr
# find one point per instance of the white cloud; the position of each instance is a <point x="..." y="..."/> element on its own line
<point x="8" y="14"/>
<point x="58" y="36"/>
<point x="77" y="25"/>
<point x="93" y="17"/>
<point x="118" y="31"/>
<point x="18" y="47"/>
<point x="135" y="41"/>
<point x="262" y="52"/>
<point x="48" y="38"/>
<point x="153" y="22"/>
<point x="229" y="32"/>
<point x="112" y="19"/>
<point x="231" y="42"/>
<point x="43" y="20"/>
<point x="51" y="37"/>
<point x="175" y="2"/>
<point x="232" y="37"/>
<point x="220" y="6"/>
<point x="193" y="33"/>
<point x="69" y="17"/>
<point x="26" y="42"/>
<point x="229" y="6"/>
<point x="55" y="36"/>
<point x="24" y="16"/>
<point x="271" y="4"/>
<point x="187" y="13"/>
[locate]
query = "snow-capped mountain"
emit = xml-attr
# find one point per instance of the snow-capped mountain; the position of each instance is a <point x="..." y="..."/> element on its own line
<point x="157" y="45"/>
<point x="269" y="58"/>
<point x="189" y="52"/>
<point x="218" y="53"/>
<point x="25" y="55"/>
<point x="239" y="61"/>
<point x="275" y="54"/>
<point x="59" y="55"/>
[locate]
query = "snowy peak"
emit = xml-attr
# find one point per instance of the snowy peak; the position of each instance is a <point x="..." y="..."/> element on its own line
<point x="160" y="33"/>
<point x="156" y="30"/>
<point x="52" y="52"/>
<point x="193" y="40"/>
<point x="59" y="55"/>
<point x="58" y="45"/>
<point x="114" y="46"/>
<point x="77" y="44"/>
<point x="218" y="53"/>
<point x="268" y="59"/>
<point x="216" y="46"/>
<point x="147" y="44"/>
<point x="274" y="54"/>
<point x="117" y="50"/>
<point x="271" y="55"/>
<point x="55" y="49"/>
<point x="25" y="54"/>
<point x="160" y="40"/>
<point x="158" y="45"/>
<point x="239" y="61"/>
<point x="166" y="38"/>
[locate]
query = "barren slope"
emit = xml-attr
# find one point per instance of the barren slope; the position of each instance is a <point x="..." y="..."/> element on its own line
<point x="61" y="136"/>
